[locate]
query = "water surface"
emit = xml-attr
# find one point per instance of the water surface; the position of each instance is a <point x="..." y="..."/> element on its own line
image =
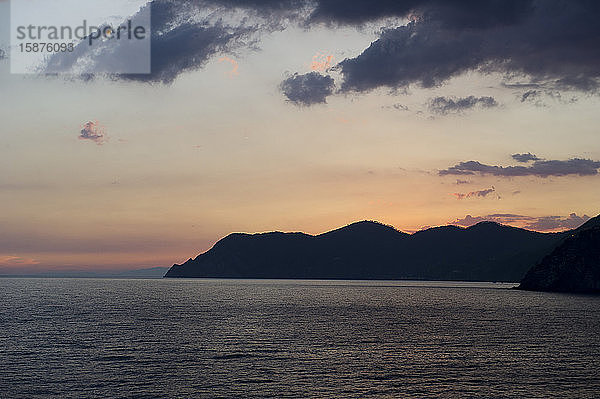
<point x="95" y="338"/>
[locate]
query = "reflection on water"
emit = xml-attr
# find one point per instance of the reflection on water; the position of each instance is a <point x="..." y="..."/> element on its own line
<point x="76" y="338"/>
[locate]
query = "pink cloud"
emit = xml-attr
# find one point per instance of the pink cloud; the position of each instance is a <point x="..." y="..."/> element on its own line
<point x="93" y="131"/>
<point x="321" y="62"/>
<point x="12" y="260"/>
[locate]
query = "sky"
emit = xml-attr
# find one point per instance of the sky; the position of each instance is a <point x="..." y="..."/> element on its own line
<point x="292" y="115"/>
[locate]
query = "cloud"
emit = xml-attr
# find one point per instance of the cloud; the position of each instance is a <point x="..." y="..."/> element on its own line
<point x="540" y="168"/>
<point x="474" y="194"/>
<point x="459" y="182"/>
<point x="397" y="107"/>
<point x="185" y="35"/>
<point x="549" y="42"/>
<point x="556" y="222"/>
<point x="542" y="98"/>
<point x="524" y="158"/>
<point x="451" y="13"/>
<point x="94" y="132"/>
<point x="530" y="95"/>
<point x="400" y="107"/>
<point x="12" y="260"/>
<point x="543" y="223"/>
<point x="447" y="105"/>
<point x="308" y="89"/>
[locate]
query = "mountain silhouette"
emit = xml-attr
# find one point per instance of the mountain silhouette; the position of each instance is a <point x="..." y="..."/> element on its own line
<point x="487" y="251"/>
<point x="573" y="266"/>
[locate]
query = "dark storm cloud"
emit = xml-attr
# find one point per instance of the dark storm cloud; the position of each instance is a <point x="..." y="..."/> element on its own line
<point x="447" y="105"/>
<point x="461" y="13"/>
<point x="272" y="8"/>
<point x="180" y="43"/>
<point x="356" y="12"/>
<point x="525" y="157"/>
<point x="543" y="223"/>
<point x="407" y="55"/>
<point x="540" y="168"/>
<point x="549" y="41"/>
<point x="183" y="49"/>
<point x="185" y="35"/>
<point x="307" y="89"/>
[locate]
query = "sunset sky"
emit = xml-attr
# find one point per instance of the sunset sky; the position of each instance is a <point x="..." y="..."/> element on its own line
<point x="303" y="116"/>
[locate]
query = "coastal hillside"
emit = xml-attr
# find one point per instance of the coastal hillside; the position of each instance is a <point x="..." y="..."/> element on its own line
<point x="369" y="250"/>
<point x="573" y="266"/>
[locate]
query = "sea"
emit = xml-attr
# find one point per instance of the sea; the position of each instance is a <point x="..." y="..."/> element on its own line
<point x="208" y="338"/>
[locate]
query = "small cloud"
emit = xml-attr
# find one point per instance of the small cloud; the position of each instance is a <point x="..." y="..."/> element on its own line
<point x="540" y="98"/>
<point x="525" y="157"/>
<point x="459" y="182"/>
<point x="308" y="89"/>
<point x="234" y="66"/>
<point x="448" y="105"/>
<point x="397" y="107"/>
<point x="474" y="194"/>
<point x="321" y="62"/>
<point x="530" y="95"/>
<point x="94" y="132"/>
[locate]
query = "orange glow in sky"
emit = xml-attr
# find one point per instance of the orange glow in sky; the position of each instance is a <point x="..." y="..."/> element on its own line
<point x="321" y="62"/>
<point x="234" y="71"/>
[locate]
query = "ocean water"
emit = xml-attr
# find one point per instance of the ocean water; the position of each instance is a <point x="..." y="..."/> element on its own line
<point x="94" y="338"/>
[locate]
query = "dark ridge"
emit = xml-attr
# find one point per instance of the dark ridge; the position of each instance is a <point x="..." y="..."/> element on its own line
<point x="487" y="251"/>
<point x="573" y="266"/>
